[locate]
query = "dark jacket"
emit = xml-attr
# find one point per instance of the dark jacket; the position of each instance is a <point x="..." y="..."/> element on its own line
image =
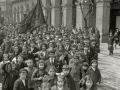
<point x="18" y="85"/>
<point x="93" y="53"/>
<point x="69" y="82"/>
<point x="48" y="63"/>
<point x="95" y="75"/>
<point x="6" y="47"/>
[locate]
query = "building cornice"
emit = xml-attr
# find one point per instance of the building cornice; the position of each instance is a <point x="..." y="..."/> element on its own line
<point x="14" y="1"/>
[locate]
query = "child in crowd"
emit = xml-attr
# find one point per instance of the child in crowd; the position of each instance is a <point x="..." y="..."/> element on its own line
<point x="75" y="71"/>
<point x="14" y="74"/>
<point x="60" y="84"/>
<point x="52" y="61"/>
<point x="84" y="69"/>
<point x="94" y="73"/>
<point x="20" y="63"/>
<point x="69" y="82"/>
<point x="38" y="75"/>
<point x="51" y="74"/>
<point x="30" y="70"/>
<point x="21" y="83"/>
<point x="45" y="84"/>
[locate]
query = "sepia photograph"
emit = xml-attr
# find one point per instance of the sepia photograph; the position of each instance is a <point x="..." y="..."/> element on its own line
<point x="59" y="44"/>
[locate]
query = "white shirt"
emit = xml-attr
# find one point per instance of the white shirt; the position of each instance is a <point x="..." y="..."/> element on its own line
<point x="23" y="82"/>
<point x="32" y="48"/>
<point x="51" y="60"/>
<point x="60" y="88"/>
<point x="93" y="69"/>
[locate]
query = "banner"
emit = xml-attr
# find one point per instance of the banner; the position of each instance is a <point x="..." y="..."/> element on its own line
<point x="34" y="19"/>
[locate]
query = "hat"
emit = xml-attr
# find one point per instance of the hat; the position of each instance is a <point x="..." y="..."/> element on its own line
<point x="65" y="67"/>
<point x="41" y="61"/>
<point x="76" y="57"/>
<point x="37" y="59"/>
<point x="93" y="61"/>
<point x="85" y="64"/>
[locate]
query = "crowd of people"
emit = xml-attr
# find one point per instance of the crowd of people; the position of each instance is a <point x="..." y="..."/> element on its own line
<point x="53" y="59"/>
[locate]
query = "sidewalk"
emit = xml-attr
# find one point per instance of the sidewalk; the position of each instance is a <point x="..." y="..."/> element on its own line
<point x="109" y="67"/>
<point x="104" y="50"/>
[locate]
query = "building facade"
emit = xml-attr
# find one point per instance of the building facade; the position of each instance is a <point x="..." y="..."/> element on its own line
<point x="6" y="10"/>
<point x="68" y="13"/>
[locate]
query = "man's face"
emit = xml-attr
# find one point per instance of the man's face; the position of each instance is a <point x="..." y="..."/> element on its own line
<point x="51" y="72"/>
<point x="30" y="63"/>
<point x="84" y="67"/>
<point x="60" y="48"/>
<point x="41" y="65"/>
<point x="51" y="45"/>
<point x="43" y="47"/>
<point x="24" y="49"/>
<point x="60" y="83"/>
<point x="5" y="57"/>
<point x="94" y="64"/>
<point x="23" y="74"/>
<point x="13" y="66"/>
<point x="20" y="59"/>
<point x="16" y="49"/>
<point x="76" y="60"/>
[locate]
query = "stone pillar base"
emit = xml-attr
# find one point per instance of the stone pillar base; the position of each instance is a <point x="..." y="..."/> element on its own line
<point x="104" y="37"/>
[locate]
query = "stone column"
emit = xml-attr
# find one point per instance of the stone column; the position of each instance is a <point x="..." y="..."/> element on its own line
<point x="79" y="16"/>
<point x="46" y="10"/>
<point x="103" y="18"/>
<point x="55" y="12"/>
<point x="67" y="13"/>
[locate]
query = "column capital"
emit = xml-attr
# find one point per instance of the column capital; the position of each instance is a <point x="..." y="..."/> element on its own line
<point x="97" y="1"/>
<point x="83" y="2"/>
<point x="67" y="5"/>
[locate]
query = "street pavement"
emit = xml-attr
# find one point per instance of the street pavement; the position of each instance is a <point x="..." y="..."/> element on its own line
<point x="110" y="68"/>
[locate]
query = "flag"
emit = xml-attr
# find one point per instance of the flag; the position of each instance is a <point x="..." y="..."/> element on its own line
<point x="34" y="19"/>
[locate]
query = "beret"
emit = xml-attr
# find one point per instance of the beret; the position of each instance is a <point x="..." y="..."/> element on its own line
<point x="93" y="61"/>
<point x="85" y="64"/>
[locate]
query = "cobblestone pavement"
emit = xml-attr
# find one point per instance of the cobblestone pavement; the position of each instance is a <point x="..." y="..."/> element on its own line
<point x="110" y="69"/>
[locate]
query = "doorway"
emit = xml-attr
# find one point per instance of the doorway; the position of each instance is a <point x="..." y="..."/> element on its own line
<point x="118" y="22"/>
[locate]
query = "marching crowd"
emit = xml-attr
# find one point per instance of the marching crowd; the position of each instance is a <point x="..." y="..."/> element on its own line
<point x="53" y="59"/>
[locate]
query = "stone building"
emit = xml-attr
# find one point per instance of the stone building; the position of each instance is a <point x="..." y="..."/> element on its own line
<point x="105" y="15"/>
<point x="6" y="10"/>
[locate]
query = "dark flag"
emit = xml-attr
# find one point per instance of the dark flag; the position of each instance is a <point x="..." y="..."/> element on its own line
<point x="34" y="19"/>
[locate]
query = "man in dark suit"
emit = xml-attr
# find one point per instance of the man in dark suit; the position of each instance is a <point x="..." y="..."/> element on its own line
<point x="52" y="60"/>
<point x="67" y="44"/>
<point x="33" y="49"/>
<point x="93" y="50"/>
<point x="25" y="54"/>
<point x="21" y="83"/>
<point x="6" y="46"/>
